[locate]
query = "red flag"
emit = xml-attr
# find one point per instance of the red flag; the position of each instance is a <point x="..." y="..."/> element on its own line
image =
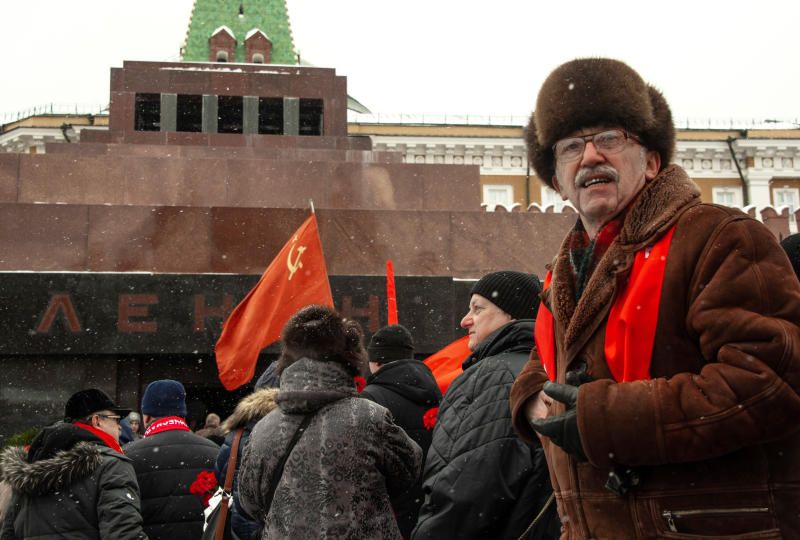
<point x="295" y="278"/>
<point x="446" y="363"/>
<point x="391" y="293"/>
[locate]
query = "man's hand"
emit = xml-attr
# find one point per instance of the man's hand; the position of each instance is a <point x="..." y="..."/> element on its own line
<point x="563" y="428"/>
<point x="536" y="406"/>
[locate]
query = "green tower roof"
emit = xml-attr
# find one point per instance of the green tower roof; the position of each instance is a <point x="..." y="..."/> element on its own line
<point x="241" y="16"/>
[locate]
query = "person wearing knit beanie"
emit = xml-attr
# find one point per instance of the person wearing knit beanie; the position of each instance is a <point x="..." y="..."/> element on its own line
<point x="408" y="389"/>
<point x="481" y="481"/>
<point x="390" y="343"/>
<point x="170" y="462"/>
<point x="164" y="398"/>
<point x="497" y="299"/>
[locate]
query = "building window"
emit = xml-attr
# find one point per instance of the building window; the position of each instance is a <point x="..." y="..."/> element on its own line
<point x="498" y="194"/>
<point x="147" y="114"/>
<point x="550" y="197"/>
<point x="190" y="113"/>
<point x="310" y="117"/>
<point x="727" y="196"/>
<point x="270" y="116"/>
<point x="790" y="197"/>
<point x="786" y="196"/>
<point x="258" y="58"/>
<point x="222" y="56"/>
<point x="229" y="114"/>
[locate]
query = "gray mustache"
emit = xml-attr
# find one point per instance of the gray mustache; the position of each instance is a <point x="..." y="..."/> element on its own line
<point x="586" y="172"/>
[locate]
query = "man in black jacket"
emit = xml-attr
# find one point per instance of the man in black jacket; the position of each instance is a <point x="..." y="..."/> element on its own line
<point x="74" y="481"/>
<point x="168" y="459"/>
<point x="407" y="388"/>
<point x="481" y="481"/>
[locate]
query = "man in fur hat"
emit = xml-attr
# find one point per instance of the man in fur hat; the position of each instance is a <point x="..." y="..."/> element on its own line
<point x="666" y="378"/>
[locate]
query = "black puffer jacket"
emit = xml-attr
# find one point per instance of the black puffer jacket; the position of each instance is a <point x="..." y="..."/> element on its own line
<point x="407" y="388"/>
<point x="79" y="489"/>
<point x="481" y="481"/>
<point x="166" y="464"/>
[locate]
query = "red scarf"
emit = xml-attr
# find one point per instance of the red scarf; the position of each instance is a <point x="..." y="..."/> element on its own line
<point x="168" y="423"/>
<point x="107" y="439"/>
<point x="632" y="321"/>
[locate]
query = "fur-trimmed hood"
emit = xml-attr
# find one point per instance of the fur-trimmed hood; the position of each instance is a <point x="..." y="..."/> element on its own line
<point x="252" y="407"/>
<point x="48" y="475"/>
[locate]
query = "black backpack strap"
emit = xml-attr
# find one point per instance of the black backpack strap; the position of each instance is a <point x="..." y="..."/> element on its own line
<point x="278" y="472"/>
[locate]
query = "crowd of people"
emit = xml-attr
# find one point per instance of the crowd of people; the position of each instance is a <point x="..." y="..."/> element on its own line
<point x="648" y="388"/>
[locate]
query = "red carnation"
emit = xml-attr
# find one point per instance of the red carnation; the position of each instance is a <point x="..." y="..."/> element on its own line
<point x="429" y="418"/>
<point x="360" y="383"/>
<point x="204" y="486"/>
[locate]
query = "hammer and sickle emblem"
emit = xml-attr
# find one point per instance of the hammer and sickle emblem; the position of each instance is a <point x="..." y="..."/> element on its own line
<point x="295" y="265"/>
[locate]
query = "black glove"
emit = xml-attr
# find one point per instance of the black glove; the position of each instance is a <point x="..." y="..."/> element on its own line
<point x="562" y="429"/>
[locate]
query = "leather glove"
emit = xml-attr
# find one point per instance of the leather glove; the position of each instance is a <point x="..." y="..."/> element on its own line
<point x="562" y="429"/>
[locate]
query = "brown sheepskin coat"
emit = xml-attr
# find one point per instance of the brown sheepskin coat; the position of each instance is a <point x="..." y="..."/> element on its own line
<point x="713" y="436"/>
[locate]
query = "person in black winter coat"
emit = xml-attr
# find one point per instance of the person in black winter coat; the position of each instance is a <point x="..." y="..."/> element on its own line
<point x="74" y="481"/>
<point x="480" y="479"/>
<point x="168" y="460"/>
<point x="248" y="412"/>
<point x="407" y="388"/>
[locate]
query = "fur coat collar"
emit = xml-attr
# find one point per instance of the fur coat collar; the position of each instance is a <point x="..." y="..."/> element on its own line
<point x="656" y="209"/>
<point x="252" y="407"/>
<point x="49" y="475"/>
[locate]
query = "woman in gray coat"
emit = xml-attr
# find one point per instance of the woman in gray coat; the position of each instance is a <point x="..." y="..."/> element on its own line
<point x="350" y="459"/>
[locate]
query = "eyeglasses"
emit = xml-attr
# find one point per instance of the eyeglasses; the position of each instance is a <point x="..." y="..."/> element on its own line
<point x="607" y="142"/>
<point x="114" y="417"/>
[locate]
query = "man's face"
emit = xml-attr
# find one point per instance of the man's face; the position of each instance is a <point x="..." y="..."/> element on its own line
<point x="482" y="319"/>
<point x="135" y="426"/>
<point x="108" y="422"/>
<point x="601" y="184"/>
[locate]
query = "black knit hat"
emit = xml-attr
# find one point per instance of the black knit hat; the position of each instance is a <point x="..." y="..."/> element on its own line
<point x="393" y="342"/>
<point x="594" y="92"/>
<point x="82" y="404"/>
<point x="516" y="293"/>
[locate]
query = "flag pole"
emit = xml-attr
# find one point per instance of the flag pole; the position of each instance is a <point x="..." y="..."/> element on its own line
<point x="311" y="203"/>
<point x="391" y="293"/>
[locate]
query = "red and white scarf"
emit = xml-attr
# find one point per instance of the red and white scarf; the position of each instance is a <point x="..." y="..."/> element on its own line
<point x="168" y="423"/>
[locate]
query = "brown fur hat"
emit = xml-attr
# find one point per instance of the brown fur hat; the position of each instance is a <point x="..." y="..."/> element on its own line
<point x="321" y="333"/>
<point x="594" y="92"/>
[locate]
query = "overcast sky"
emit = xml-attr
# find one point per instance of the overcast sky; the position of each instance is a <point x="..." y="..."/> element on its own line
<point x="712" y="59"/>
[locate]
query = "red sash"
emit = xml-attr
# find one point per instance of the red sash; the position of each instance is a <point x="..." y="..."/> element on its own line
<point x="632" y="321"/>
<point x="168" y="423"/>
